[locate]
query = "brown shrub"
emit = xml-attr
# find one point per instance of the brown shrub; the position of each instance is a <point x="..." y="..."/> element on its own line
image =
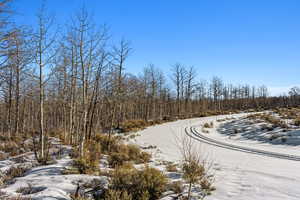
<point x="148" y="183"/>
<point x="3" y="156"/>
<point x="89" y="163"/>
<point x="108" y="143"/>
<point x="208" y="125"/>
<point x="270" y="119"/>
<point x="133" y="125"/>
<point x="128" y="153"/>
<point x="117" y="195"/>
<point x="30" y="190"/>
<point x="171" y="167"/>
<point x="12" y="173"/>
<point x="118" y="159"/>
<point x="297" y="121"/>
<point x="135" y="154"/>
<point x="119" y="153"/>
<point x="176" y="187"/>
<point x="12" y="147"/>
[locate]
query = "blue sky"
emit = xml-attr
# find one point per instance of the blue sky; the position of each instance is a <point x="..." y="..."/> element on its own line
<point x="242" y="41"/>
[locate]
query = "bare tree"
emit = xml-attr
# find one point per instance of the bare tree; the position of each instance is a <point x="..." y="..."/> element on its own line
<point x="44" y="54"/>
<point x="120" y="54"/>
<point x="178" y="78"/>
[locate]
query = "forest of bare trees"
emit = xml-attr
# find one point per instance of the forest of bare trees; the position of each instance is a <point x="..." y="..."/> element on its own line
<point x="72" y="81"/>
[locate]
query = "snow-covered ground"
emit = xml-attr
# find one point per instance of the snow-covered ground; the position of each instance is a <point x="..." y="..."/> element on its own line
<point x="239" y="175"/>
<point x="47" y="182"/>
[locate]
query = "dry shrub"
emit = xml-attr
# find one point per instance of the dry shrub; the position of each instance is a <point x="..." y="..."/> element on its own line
<point x="270" y="119"/>
<point x="138" y="156"/>
<point x="208" y="125"/>
<point x="148" y="183"/>
<point x="119" y="153"/>
<point x="206" y="186"/>
<point x="3" y="156"/>
<point x="30" y="190"/>
<point x="297" y="121"/>
<point x="133" y="125"/>
<point x="89" y="163"/>
<point x="128" y="153"/>
<point x="288" y="113"/>
<point x="193" y="170"/>
<point x="78" y="197"/>
<point x="176" y="187"/>
<point x="117" y="159"/>
<point x="84" y="166"/>
<point x="171" y="167"/>
<point x="195" y="166"/>
<point x="215" y="112"/>
<point x="108" y="143"/>
<point x="14" y="145"/>
<point x="204" y="131"/>
<point x="117" y="195"/>
<point x="11" y="173"/>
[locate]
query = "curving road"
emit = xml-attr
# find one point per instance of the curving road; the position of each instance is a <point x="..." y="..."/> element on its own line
<point x="193" y="133"/>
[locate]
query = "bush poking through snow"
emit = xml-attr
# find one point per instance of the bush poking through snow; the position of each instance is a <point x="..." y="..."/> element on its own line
<point x="89" y="163"/>
<point x="148" y="183"/>
<point x="73" y="197"/>
<point x="108" y="143"/>
<point x="117" y="195"/>
<point x="208" y="125"/>
<point x="270" y="119"/>
<point x="125" y="153"/>
<point x="85" y="166"/>
<point x="206" y="186"/>
<point x="176" y="187"/>
<point x="118" y="154"/>
<point x="297" y="122"/>
<point x="12" y="173"/>
<point x="195" y="169"/>
<point x="117" y="159"/>
<point x="171" y="167"/>
<point x="3" y="156"/>
<point x="205" y="131"/>
<point x="193" y="173"/>
<point x="30" y="190"/>
<point x="13" y="146"/>
<point x="133" y="125"/>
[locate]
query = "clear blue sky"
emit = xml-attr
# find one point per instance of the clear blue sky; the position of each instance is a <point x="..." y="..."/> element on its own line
<point x="242" y="41"/>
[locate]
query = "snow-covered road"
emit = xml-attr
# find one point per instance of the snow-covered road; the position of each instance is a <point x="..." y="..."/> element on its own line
<point x="239" y="175"/>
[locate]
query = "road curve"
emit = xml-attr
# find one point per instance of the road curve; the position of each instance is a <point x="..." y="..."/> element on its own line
<point x="193" y="133"/>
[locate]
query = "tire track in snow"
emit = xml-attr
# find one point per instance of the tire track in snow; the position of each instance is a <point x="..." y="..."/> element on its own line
<point x="198" y="136"/>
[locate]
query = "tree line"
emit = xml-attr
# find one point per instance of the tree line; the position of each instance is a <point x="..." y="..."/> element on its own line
<point x="73" y="81"/>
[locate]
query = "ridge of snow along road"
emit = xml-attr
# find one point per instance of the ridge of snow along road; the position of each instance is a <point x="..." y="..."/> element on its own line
<point x="201" y="138"/>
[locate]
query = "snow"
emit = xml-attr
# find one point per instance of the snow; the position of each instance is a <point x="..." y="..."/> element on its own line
<point x="49" y="179"/>
<point x="239" y="175"/>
